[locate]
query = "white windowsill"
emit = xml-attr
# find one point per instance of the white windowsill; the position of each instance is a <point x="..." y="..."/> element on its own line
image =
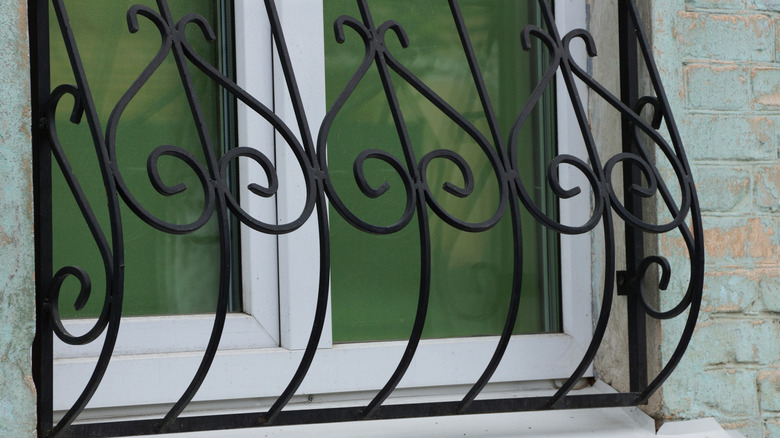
<point x="581" y="423"/>
<point x="601" y="423"/>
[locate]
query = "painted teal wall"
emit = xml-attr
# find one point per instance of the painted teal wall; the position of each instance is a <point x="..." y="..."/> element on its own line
<point x="720" y="61"/>
<point x="17" y="392"/>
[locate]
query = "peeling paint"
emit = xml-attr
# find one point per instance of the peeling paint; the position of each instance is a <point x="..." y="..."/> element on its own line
<point x="769" y="100"/>
<point x="754" y="239"/>
<point x="730" y="92"/>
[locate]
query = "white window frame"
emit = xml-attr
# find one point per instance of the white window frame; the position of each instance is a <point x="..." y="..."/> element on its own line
<point x="156" y="357"/>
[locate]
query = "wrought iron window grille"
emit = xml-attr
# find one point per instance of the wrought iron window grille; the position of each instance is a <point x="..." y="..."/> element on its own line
<point x="642" y="179"/>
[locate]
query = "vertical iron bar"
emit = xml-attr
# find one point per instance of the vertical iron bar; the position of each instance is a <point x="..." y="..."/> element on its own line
<point x="229" y="138"/>
<point x="42" y="353"/>
<point x="479" y="81"/>
<point x="422" y="219"/>
<point x="514" y="302"/>
<point x="322" y="214"/>
<point x="567" y="72"/>
<point x="629" y="94"/>
<point x="115" y="264"/>
<point x="225" y="250"/>
<point x="551" y="273"/>
<point x="693" y="236"/>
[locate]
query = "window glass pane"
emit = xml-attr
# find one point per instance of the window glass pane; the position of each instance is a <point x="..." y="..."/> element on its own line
<point x="375" y="279"/>
<point x="164" y="273"/>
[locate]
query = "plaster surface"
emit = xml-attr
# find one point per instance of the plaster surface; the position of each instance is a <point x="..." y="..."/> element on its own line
<point x="17" y="391"/>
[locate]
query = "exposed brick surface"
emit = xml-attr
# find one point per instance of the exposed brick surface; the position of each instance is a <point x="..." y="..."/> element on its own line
<point x="777" y="39"/>
<point x="740" y="242"/>
<point x="731" y="293"/>
<point x="766" y="88"/>
<point x="772" y="427"/>
<point x="735" y="341"/>
<point x="750" y="36"/>
<point x="737" y="391"/>
<point x="724" y="57"/>
<point x="729" y="137"/>
<point x="769" y="284"/>
<point x="718" y="86"/>
<point x="769" y="390"/>
<point x="728" y="187"/>
<point x="767" y="187"/>
<point x="731" y="5"/>
<point x="765" y="5"/>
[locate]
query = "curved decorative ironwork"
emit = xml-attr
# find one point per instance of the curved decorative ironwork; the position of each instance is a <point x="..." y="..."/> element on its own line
<point x="420" y="202"/>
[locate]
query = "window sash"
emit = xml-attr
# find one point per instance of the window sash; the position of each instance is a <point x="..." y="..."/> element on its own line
<point x="295" y="300"/>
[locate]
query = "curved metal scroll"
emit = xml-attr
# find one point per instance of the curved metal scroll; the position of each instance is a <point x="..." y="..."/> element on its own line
<point x="646" y="146"/>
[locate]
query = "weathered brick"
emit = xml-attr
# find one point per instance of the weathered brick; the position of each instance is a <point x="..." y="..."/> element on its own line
<point x="726" y="293"/>
<point x="769" y="390"/>
<point x="769" y="288"/>
<point x="720" y="54"/>
<point x="724" y="188"/>
<point x="772" y="427"/>
<point x="733" y="5"/>
<point x="719" y="342"/>
<point x="764" y="5"/>
<point x="714" y="137"/>
<point x="740" y="37"/>
<point x="766" y="88"/>
<point x="723" y="394"/>
<point x="717" y="86"/>
<point x="767" y="187"/>
<point x="737" y="241"/>
<point x="777" y="39"/>
<point x="728" y="393"/>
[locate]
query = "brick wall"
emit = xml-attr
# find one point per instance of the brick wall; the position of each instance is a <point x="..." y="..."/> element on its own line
<point x="721" y="65"/>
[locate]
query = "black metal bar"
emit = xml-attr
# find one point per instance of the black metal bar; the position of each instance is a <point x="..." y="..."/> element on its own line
<point x="114" y="263"/>
<point x="322" y="215"/>
<point x="629" y="93"/>
<point x="319" y="316"/>
<point x="476" y="73"/>
<point x="422" y="216"/>
<point x="517" y="271"/>
<point x="289" y="77"/>
<point x="225" y="240"/>
<point x="514" y="304"/>
<point x="340" y="415"/>
<point x="641" y="179"/>
<point x="42" y="353"/>
<point x="593" y="155"/>
<point x="693" y="236"/>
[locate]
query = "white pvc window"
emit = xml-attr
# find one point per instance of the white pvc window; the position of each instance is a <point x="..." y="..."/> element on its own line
<point x="156" y="357"/>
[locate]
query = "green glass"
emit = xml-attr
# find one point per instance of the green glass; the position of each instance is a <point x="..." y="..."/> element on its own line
<point x="164" y="273"/>
<point x="375" y="279"/>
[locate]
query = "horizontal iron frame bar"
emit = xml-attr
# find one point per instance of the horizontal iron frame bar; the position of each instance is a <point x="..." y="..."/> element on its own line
<point x="339" y="415"/>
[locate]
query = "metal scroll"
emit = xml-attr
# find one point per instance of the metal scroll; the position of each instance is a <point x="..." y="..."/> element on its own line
<point x="644" y="144"/>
